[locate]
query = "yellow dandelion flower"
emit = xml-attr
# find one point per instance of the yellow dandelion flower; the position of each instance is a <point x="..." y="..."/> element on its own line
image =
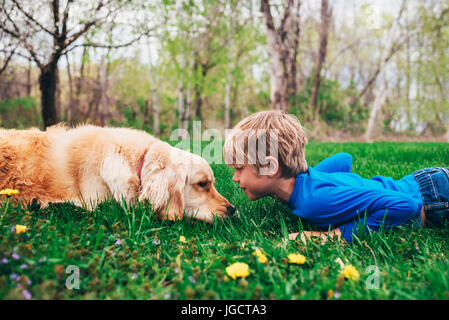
<point x="226" y="278"/>
<point x="20" y="228"/>
<point x="9" y="192"/>
<point x="260" y="256"/>
<point x="182" y="239"/>
<point x="238" y="269"/>
<point x="296" y="258"/>
<point x="350" y="272"/>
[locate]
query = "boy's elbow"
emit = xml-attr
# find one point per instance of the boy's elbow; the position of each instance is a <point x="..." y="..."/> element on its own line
<point x="410" y="208"/>
<point x="346" y="156"/>
<point x="414" y="205"/>
<point x="347" y="160"/>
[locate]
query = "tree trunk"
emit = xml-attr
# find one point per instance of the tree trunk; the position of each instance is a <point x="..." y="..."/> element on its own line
<point x="408" y="84"/>
<point x="182" y="64"/>
<point x="182" y="103"/>
<point x="380" y="98"/>
<point x="154" y="96"/>
<point x="103" y="86"/>
<point x="198" y="87"/>
<point x="198" y="103"/>
<point x="70" y="105"/>
<point x="377" y="105"/>
<point x="155" y="104"/>
<point x="79" y="83"/>
<point x="229" y="67"/>
<point x="326" y="14"/>
<point x="29" y="85"/>
<point x="189" y="90"/>
<point x="47" y="84"/>
<point x="282" y="49"/>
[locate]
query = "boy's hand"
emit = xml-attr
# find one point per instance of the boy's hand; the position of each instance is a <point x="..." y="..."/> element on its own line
<point x="306" y="235"/>
<point x="292" y="236"/>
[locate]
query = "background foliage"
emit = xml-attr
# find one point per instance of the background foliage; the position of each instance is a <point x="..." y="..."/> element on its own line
<point x="189" y="57"/>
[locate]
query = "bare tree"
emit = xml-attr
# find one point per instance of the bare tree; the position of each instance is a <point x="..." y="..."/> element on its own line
<point x="70" y="106"/>
<point x="230" y="66"/>
<point x="326" y="15"/>
<point x="282" y="48"/>
<point x="46" y="40"/>
<point x="394" y="43"/>
<point x="101" y="112"/>
<point x="7" y="51"/>
<point x="154" y="94"/>
<point x="183" y="117"/>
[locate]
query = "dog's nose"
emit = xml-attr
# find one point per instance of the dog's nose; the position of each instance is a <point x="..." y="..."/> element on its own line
<point x="230" y="210"/>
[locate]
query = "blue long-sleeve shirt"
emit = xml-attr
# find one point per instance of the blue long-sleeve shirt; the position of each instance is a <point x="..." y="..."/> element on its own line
<point x="329" y="195"/>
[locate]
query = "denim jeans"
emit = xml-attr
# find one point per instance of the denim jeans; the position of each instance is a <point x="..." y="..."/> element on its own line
<point x="434" y="186"/>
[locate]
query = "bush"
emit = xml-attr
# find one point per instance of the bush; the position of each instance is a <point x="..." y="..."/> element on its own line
<point x="20" y="113"/>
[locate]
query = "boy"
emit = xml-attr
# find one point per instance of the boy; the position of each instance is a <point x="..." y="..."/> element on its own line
<point x="328" y="195"/>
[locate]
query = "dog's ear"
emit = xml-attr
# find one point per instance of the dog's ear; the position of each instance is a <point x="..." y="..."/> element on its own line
<point x="162" y="184"/>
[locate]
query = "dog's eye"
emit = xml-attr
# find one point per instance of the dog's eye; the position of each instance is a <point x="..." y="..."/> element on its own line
<point x="203" y="184"/>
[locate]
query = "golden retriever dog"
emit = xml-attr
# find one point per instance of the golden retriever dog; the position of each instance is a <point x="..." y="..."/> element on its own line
<point x="87" y="164"/>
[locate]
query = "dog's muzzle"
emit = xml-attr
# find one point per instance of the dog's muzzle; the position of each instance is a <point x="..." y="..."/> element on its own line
<point x="230" y="211"/>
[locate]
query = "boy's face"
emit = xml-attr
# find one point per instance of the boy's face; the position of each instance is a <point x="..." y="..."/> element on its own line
<point x="254" y="186"/>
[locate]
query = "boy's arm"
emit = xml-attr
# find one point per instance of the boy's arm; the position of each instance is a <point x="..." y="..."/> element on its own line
<point x="387" y="218"/>
<point x="339" y="162"/>
<point x="347" y="204"/>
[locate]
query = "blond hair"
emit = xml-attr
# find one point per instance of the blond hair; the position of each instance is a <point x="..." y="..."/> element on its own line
<point x="268" y="133"/>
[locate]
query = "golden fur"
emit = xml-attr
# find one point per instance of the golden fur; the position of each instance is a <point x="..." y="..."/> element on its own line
<point x="86" y="164"/>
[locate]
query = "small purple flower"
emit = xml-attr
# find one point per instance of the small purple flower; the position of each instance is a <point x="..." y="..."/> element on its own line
<point x="417" y="248"/>
<point x="26" y="294"/>
<point x="192" y="279"/>
<point x="210" y="243"/>
<point x="4" y="261"/>
<point x="14" y="276"/>
<point x="118" y="242"/>
<point x="43" y="259"/>
<point x="15" y="256"/>
<point x="134" y="276"/>
<point x="337" y="294"/>
<point x="23" y="266"/>
<point x="176" y="270"/>
<point x="196" y="260"/>
<point x="156" y="242"/>
<point x="13" y="228"/>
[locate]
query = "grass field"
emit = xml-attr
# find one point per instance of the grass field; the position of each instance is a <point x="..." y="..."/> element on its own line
<point x="131" y="255"/>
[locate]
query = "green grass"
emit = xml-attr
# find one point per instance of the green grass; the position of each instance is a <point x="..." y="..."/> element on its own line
<point x="151" y="262"/>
